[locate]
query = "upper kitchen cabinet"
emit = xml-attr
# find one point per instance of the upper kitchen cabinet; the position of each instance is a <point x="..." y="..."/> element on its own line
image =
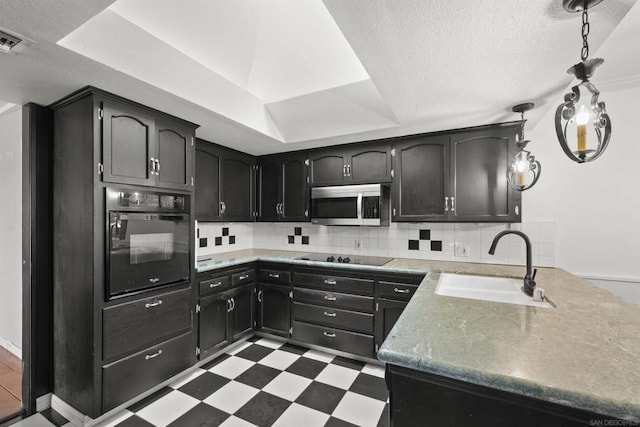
<point x="143" y="148"/>
<point x="352" y="165"/>
<point x="224" y="184"/>
<point x="421" y="179"/>
<point x="459" y="176"/>
<point x="282" y="184"/>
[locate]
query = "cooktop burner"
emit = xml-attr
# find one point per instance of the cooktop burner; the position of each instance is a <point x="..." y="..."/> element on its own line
<point x="347" y="259"/>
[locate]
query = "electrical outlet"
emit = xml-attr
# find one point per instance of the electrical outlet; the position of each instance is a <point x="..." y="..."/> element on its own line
<point x="462" y="250"/>
<point x="358" y="244"/>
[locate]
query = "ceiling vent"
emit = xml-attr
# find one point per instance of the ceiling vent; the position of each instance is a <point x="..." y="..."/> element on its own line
<point x="12" y="43"/>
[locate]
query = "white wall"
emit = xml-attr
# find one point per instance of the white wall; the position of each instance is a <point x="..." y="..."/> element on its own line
<point x="11" y="230"/>
<point x="596" y="205"/>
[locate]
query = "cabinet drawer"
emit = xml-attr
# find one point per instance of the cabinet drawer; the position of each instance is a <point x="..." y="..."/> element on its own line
<point x="351" y="342"/>
<point x="243" y="278"/>
<point x="274" y="276"/>
<point x="213" y="285"/>
<point x="343" y="319"/>
<point x="396" y="290"/>
<point x="134" y="374"/>
<point x="333" y="299"/>
<point x="337" y="283"/>
<point x="138" y="324"/>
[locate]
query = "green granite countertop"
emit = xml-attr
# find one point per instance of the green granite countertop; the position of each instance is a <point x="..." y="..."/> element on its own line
<point x="584" y="353"/>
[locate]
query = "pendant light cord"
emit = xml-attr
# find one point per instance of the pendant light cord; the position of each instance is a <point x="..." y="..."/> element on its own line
<point x="585" y="32"/>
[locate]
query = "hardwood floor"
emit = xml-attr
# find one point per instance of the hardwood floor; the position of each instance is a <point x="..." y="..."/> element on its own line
<point x="10" y="383"/>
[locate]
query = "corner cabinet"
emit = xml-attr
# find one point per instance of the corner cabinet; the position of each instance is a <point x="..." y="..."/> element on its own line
<point x="142" y="148"/>
<point x="274" y="299"/>
<point x="458" y="176"/>
<point x="350" y="165"/>
<point x="224" y="184"/>
<point x="282" y="188"/>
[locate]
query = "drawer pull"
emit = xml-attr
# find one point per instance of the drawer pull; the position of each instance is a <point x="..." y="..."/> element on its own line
<point x="215" y="285"/>
<point x="330" y="298"/>
<point x="401" y="291"/>
<point x="153" y="304"/>
<point x="154" y="280"/>
<point x="327" y="334"/>
<point x="329" y="314"/>
<point x="329" y="282"/>
<point x="274" y="275"/>
<point x="243" y="277"/>
<point x="151" y="356"/>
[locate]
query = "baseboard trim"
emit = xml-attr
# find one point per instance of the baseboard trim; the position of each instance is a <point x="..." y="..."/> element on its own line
<point x="69" y="412"/>
<point x="11" y="347"/>
<point x="43" y="402"/>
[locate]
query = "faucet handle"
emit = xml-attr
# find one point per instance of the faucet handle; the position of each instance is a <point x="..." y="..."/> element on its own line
<point x="535" y="271"/>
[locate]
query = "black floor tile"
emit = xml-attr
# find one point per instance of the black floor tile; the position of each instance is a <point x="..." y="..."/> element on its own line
<point x="305" y="367"/>
<point x="263" y="410"/>
<point x="150" y="399"/>
<point x="348" y="363"/>
<point x="134" y="421"/>
<point x="201" y="415"/>
<point x="215" y="361"/>
<point x="321" y="397"/>
<point x="370" y="386"/>
<point x="258" y="376"/>
<point x="384" y="418"/>
<point x="296" y="349"/>
<point x="337" y="422"/>
<point x="255" y="352"/>
<point x="55" y="418"/>
<point x="204" y="385"/>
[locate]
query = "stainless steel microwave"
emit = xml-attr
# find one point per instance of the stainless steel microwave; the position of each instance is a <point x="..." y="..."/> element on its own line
<point x="350" y="205"/>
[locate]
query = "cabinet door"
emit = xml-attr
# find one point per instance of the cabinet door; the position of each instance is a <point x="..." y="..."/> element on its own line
<point x="207" y="181"/>
<point x="387" y="314"/>
<point x="328" y="168"/>
<point x="213" y="323"/>
<point x="421" y="179"/>
<point x="127" y="144"/>
<point x="274" y="309"/>
<point x="269" y="182"/>
<point x="175" y="154"/>
<point x="479" y="187"/>
<point x="242" y="314"/>
<point x="294" y="190"/>
<point x="370" y="165"/>
<point x="237" y="187"/>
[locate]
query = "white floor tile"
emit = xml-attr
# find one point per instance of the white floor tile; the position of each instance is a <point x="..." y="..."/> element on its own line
<point x="279" y="359"/>
<point x="319" y="355"/>
<point x="168" y="408"/>
<point x="115" y="419"/>
<point x="288" y="386"/>
<point x="298" y="415"/>
<point x="231" y="397"/>
<point x="240" y="347"/>
<point x="358" y="409"/>
<point x="269" y="343"/>
<point x="36" y="420"/>
<point x="232" y="367"/>
<point x="233" y="421"/>
<point x="337" y="376"/>
<point x="187" y="378"/>
<point x="374" y="370"/>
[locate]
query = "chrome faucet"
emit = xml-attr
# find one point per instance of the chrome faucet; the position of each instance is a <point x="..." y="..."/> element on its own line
<point x="529" y="278"/>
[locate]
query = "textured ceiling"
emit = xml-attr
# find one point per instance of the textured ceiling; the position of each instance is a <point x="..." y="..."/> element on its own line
<point x="431" y="65"/>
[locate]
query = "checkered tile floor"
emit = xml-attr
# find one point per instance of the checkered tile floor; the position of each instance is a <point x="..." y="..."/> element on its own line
<point x="264" y="382"/>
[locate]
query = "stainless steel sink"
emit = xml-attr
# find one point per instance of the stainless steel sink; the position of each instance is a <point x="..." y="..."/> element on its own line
<point x="487" y="288"/>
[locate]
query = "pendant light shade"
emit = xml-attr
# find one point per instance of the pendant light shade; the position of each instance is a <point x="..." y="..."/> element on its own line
<point x="524" y="171"/>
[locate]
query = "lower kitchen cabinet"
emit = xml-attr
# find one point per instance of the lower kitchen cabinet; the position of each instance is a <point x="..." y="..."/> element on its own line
<point x="213" y="324"/>
<point x="387" y="314"/>
<point x="274" y="309"/>
<point x="242" y="312"/>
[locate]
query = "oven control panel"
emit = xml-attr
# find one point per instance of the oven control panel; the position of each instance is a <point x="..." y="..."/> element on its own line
<point x="146" y="200"/>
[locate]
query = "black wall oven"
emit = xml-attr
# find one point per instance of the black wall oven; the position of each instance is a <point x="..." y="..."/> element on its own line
<point x="148" y="239"/>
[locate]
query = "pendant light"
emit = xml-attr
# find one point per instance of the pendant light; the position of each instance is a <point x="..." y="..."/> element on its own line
<point x="581" y="110"/>
<point x="525" y="170"/>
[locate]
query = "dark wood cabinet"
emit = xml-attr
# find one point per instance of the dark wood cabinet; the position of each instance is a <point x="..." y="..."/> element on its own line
<point x="351" y="165"/>
<point x="274" y="309"/>
<point x="141" y="148"/>
<point x="214" y="328"/>
<point x="387" y="314"/>
<point x="224" y="184"/>
<point x="457" y="176"/>
<point x="242" y="313"/>
<point x="282" y="182"/>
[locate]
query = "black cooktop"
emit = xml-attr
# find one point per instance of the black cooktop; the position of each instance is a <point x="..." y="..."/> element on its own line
<point x="347" y="259"/>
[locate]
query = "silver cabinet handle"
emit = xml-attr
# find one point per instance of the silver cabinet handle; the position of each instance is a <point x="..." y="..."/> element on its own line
<point x="233" y="304"/>
<point x="223" y="207"/>
<point x="154" y="280"/>
<point x="243" y="277"/>
<point x="401" y="291"/>
<point x="152" y="165"/>
<point x="157" y="167"/>
<point x="229" y="306"/>
<point x="153" y="304"/>
<point x="274" y="275"/>
<point x="453" y="204"/>
<point x="151" y="356"/>
<point x="327" y="334"/>
<point x="446" y="204"/>
<point x="260" y="296"/>
<point x="277" y="208"/>
<point x="215" y="285"/>
<point x="344" y="170"/>
<point x="329" y="314"/>
<point x="330" y="298"/>
<point x="348" y="170"/>
<point x="329" y="282"/>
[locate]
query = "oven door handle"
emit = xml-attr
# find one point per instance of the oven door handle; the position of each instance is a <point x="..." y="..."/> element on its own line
<point x="360" y="207"/>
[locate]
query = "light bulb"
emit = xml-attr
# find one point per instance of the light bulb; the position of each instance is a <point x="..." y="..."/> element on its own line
<point x="582" y="116"/>
<point x="522" y="165"/>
